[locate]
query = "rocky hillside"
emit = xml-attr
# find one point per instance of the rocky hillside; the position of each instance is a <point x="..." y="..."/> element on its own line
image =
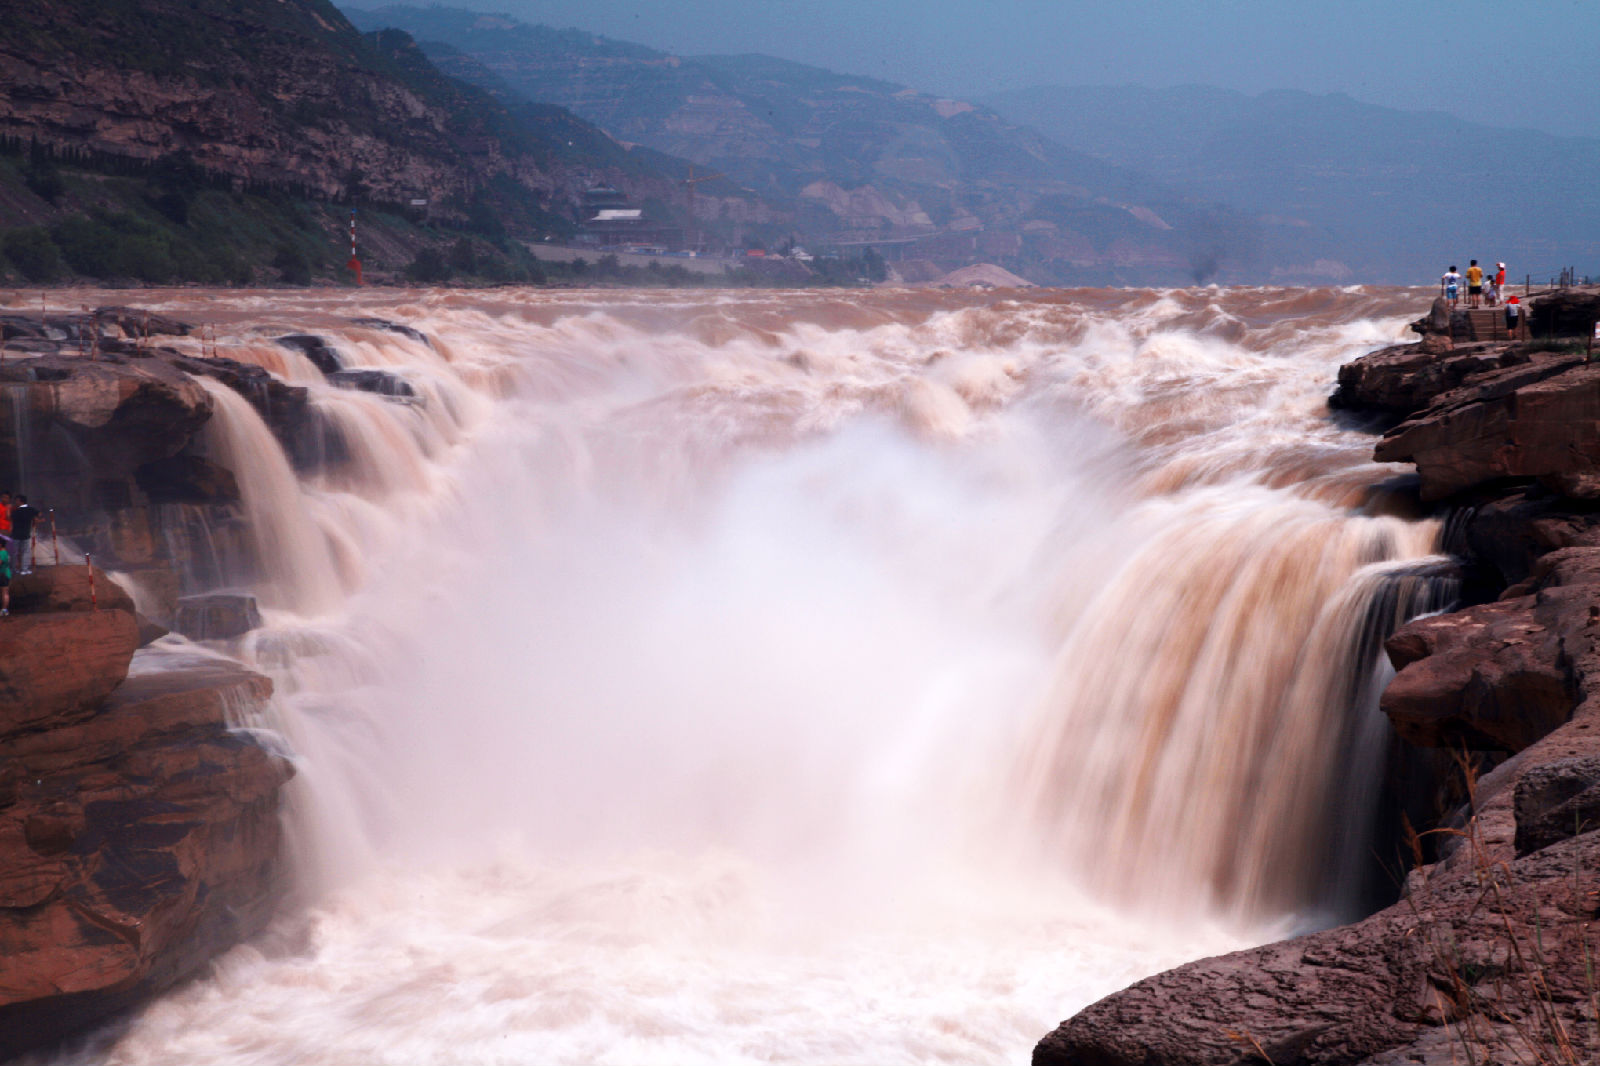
<point x="163" y="140"/>
<point x="854" y="159"/>
<point x="1489" y="954"/>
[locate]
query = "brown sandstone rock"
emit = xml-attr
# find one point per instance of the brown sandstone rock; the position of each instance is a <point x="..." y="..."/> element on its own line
<point x="1540" y="420"/>
<point x="1412" y="983"/>
<point x="1499" y="675"/>
<point x="134" y="845"/>
<point x="56" y="668"/>
<point x="1406" y="378"/>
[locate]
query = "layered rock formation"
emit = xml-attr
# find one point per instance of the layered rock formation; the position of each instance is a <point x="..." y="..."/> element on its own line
<point x="1488" y="955"/>
<point x="139" y="832"/>
<point x="139" y="829"/>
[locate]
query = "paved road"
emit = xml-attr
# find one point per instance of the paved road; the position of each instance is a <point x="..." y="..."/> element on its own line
<point x="562" y="254"/>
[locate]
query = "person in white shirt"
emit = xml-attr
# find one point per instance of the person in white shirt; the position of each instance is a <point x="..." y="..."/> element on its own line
<point x="1450" y="286"/>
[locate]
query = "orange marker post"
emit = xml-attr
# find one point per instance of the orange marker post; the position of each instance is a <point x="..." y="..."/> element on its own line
<point x="88" y="561"/>
<point x="55" y="544"/>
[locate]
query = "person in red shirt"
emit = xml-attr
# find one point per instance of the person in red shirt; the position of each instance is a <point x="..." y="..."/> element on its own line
<point x="1500" y="277"/>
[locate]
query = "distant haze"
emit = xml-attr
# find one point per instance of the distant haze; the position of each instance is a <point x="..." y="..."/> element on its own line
<point x="1533" y="63"/>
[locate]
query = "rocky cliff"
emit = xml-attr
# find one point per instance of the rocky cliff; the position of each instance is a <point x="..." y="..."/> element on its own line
<point x="140" y="830"/>
<point x="1488" y="955"/>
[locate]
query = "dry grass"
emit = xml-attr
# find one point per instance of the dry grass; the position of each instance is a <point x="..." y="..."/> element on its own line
<point x="1500" y="1007"/>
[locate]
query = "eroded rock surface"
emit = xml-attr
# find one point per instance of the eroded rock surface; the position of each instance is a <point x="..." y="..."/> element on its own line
<point x="1539" y="420"/>
<point x="139" y="832"/>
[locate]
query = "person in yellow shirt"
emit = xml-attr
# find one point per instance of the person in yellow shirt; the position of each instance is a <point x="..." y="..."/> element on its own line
<point x="1474" y="284"/>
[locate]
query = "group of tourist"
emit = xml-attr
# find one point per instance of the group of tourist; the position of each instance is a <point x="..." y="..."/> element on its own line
<point x="16" y="543"/>
<point x="1483" y="290"/>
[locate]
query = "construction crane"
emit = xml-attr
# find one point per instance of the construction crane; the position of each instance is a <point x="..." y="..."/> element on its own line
<point x="689" y="183"/>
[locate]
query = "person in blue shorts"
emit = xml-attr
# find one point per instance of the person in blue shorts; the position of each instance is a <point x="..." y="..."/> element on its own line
<point x="1450" y="286"/>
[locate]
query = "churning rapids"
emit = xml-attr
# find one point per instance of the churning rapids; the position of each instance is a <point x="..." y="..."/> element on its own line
<point x="754" y="677"/>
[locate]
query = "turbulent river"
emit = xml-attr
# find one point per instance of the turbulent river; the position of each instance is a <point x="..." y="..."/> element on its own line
<point x="791" y="677"/>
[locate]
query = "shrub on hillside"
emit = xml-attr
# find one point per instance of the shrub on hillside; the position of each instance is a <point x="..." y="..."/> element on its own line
<point x="429" y="267"/>
<point x="463" y="258"/>
<point x="291" y="265"/>
<point x="116" y="246"/>
<point x="33" y="253"/>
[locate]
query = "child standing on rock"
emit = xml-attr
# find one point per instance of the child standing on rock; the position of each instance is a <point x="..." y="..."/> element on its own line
<point x="1450" y="286"/>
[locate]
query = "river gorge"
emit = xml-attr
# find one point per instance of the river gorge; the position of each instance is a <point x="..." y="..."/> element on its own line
<point x="754" y="676"/>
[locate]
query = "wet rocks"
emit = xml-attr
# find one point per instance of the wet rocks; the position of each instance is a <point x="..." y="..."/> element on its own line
<point x="316" y="349"/>
<point x="1486" y="961"/>
<point x="57" y="668"/>
<point x="285" y="408"/>
<point x="392" y="327"/>
<point x="217" y="615"/>
<point x="1487" y="956"/>
<point x="51" y="589"/>
<point x="186" y="479"/>
<point x="380" y="382"/>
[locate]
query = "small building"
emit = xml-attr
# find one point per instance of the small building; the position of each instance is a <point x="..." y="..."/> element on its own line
<point x="619" y="227"/>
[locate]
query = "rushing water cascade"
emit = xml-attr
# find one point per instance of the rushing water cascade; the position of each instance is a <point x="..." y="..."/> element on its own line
<point x="796" y="677"/>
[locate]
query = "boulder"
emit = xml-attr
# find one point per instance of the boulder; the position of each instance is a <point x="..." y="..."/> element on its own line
<point x="392" y="327"/>
<point x="138" y="322"/>
<point x="83" y="419"/>
<point x="381" y="382"/>
<point x="1498" y="675"/>
<point x="1555" y="801"/>
<point x="217" y="615"/>
<point x="316" y="349"/>
<point x="1567" y="313"/>
<point x="1539" y="421"/>
<point x="1509" y="532"/>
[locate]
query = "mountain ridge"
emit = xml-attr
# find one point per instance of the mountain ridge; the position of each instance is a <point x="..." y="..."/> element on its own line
<point x="1400" y="194"/>
<point x="858" y="160"/>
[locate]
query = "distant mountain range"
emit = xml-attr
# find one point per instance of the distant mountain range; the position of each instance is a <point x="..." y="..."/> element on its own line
<point x="850" y="160"/>
<point x="1392" y="195"/>
<point x="199" y="139"/>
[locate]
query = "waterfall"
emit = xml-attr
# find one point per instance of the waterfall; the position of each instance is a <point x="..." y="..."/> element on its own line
<point x="755" y="676"/>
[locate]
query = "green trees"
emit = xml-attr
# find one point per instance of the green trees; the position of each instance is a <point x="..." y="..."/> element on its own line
<point x="429" y="267"/>
<point x="33" y="253"/>
<point x="292" y="266"/>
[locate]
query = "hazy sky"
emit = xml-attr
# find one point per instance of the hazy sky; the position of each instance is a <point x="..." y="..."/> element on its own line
<point x="1529" y="63"/>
